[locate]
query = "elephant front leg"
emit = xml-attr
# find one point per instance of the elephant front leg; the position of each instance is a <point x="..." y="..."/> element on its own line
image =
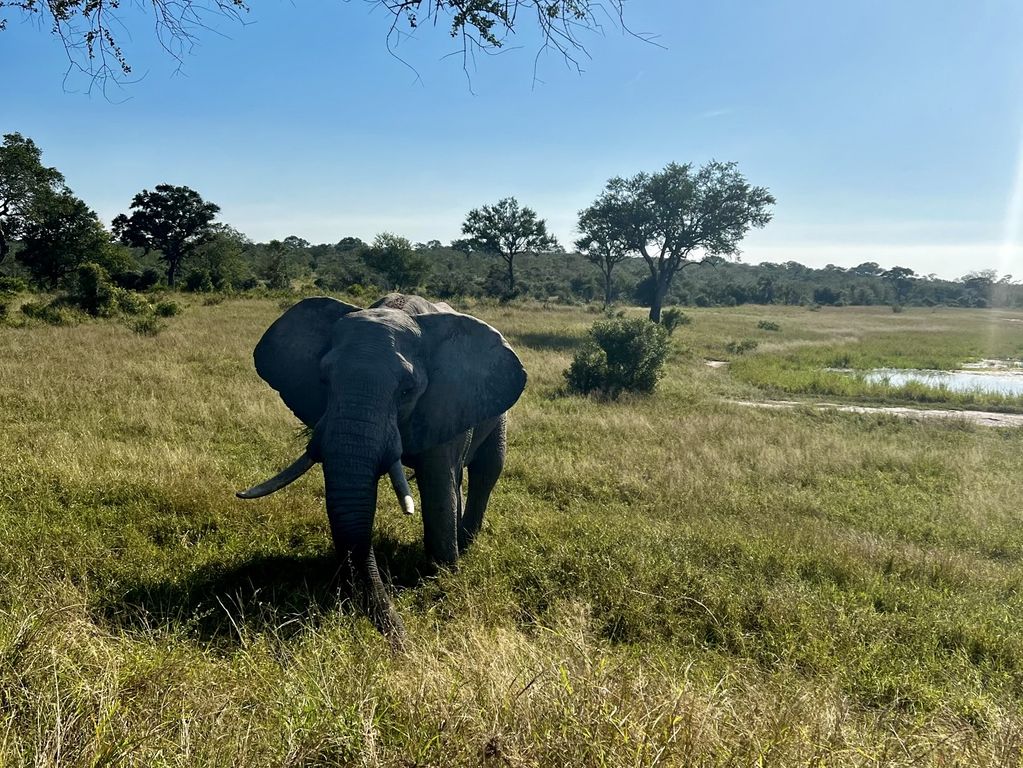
<point x="484" y="469"/>
<point x="439" y="478"/>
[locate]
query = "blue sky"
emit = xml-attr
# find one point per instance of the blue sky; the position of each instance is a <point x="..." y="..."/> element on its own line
<point x="888" y="132"/>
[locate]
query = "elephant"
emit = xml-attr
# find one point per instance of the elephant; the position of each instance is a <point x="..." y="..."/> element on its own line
<point x="402" y="383"/>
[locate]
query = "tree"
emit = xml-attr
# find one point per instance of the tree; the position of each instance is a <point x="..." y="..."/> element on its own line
<point x="867" y="269"/>
<point x="397" y="261"/>
<point x="62" y="233"/>
<point x="670" y="215"/>
<point x="603" y="240"/>
<point x="172" y="220"/>
<point x="349" y="244"/>
<point x="295" y="243"/>
<point x="24" y="180"/>
<point x="275" y="269"/>
<point x="508" y="230"/>
<point x="222" y="257"/>
<point x="901" y="279"/>
<point x="91" y="30"/>
<point x="978" y="287"/>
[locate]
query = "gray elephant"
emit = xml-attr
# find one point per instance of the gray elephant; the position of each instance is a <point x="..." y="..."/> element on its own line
<point x="405" y="382"/>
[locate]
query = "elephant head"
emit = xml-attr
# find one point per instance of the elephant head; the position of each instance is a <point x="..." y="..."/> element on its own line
<point x="375" y="385"/>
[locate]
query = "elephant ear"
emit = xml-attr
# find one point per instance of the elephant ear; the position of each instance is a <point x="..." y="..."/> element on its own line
<point x="472" y="373"/>
<point x="288" y="356"/>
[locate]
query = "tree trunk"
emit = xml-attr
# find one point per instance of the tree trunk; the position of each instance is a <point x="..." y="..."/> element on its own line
<point x="510" y="258"/>
<point x="660" y="291"/>
<point x="172" y="271"/>
<point x="5" y="248"/>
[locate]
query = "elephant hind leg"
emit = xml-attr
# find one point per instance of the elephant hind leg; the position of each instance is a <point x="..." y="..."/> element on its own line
<point x="484" y="469"/>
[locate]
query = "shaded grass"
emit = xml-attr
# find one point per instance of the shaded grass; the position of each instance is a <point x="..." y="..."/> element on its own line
<point x="667" y="580"/>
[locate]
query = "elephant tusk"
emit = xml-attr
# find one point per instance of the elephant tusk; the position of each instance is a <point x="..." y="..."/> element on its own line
<point x="401" y="488"/>
<point x="285" y="477"/>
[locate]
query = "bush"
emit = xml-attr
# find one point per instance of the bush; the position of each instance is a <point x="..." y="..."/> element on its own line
<point x="199" y="281"/>
<point x="131" y="303"/>
<point x="738" y="347"/>
<point x="146" y="325"/>
<point x="167" y="308"/>
<point x="621" y="356"/>
<point x="12" y="285"/>
<point x="672" y="318"/>
<point x="247" y="284"/>
<point x="53" y="314"/>
<point x="897" y="308"/>
<point x="137" y="280"/>
<point x="588" y="371"/>
<point x="768" y="325"/>
<point x="92" y="290"/>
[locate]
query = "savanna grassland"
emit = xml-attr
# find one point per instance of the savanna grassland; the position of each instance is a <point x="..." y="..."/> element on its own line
<point x="672" y="580"/>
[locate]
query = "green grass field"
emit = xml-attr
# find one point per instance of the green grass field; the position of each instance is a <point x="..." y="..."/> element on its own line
<point x="674" y="580"/>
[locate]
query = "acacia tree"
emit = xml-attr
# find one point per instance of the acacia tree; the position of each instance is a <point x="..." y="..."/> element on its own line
<point x="172" y="220"/>
<point x="901" y="279"/>
<point x="508" y="229"/>
<point x="91" y="30"/>
<point x="603" y="241"/>
<point x="670" y="215"/>
<point x="24" y="182"/>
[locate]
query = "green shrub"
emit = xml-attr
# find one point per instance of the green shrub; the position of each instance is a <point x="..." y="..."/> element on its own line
<point x="92" y="290"/>
<point x="768" y="325"/>
<point x="52" y="313"/>
<point x="622" y="355"/>
<point x="3" y="311"/>
<point x="199" y="281"/>
<point x="672" y="318"/>
<point x="12" y="285"/>
<point x="738" y="347"/>
<point x="130" y="302"/>
<point x="897" y="308"/>
<point x="146" y="325"/>
<point x="168" y="308"/>
<point x="588" y="371"/>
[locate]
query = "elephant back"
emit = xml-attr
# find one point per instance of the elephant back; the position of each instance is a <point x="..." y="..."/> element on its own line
<point x="411" y="305"/>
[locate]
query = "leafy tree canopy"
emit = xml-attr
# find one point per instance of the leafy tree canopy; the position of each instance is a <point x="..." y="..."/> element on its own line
<point x="172" y="220"/>
<point x="92" y="30"/>
<point x="400" y="264"/>
<point x="603" y="239"/>
<point x="62" y="234"/>
<point x="24" y="182"/>
<point x="669" y="215"/>
<point x="508" y="229"/>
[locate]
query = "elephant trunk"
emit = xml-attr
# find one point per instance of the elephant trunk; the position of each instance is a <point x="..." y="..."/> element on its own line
<point x="355" y="453"/>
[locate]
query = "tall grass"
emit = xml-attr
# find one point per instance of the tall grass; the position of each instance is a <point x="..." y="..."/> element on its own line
<point x="669" y="580"/>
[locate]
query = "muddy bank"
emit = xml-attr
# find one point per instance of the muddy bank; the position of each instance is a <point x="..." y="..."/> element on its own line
<point x="980" y="418"/>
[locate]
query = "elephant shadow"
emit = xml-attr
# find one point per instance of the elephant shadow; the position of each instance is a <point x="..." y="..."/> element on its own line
<point x="222" y="604"/>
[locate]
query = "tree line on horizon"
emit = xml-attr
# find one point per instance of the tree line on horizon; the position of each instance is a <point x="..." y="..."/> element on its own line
<point x="653" y="239"/>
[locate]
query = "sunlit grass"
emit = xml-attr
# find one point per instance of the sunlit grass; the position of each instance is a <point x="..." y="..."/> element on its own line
<point x="669" y="580"/>
<point x="921" y="339"/>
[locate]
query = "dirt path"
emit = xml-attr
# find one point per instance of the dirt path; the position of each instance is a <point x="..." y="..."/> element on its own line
<point x="981" y="418"/>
